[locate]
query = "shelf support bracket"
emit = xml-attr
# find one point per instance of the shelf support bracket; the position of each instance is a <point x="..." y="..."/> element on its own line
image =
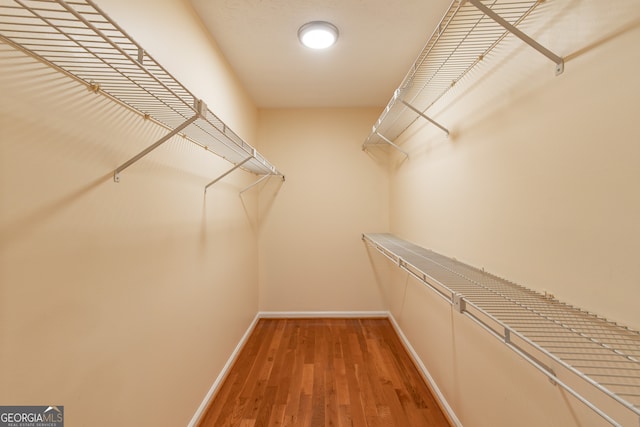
<point x="522" y="36"/>
<point x="262" y="178"/>
<point x="200" y="108"/>
<point x="228" y="172"/>
<point x="459" y="303"/>
<point x="424" y="116"/>
<point x="385" y="139"/>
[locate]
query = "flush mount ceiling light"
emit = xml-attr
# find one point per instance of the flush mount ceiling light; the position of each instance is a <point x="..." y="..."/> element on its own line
<point x="318" y="34"/>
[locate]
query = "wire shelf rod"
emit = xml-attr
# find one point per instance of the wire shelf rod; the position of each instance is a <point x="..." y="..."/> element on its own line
<point x="509" y="299"/>
<point x="562" y="362"/>
<point x="569" y="346"/>
<point x="81" y="41"/>
<point x="549" y="340"/>
<point x="89" y="51"/>
<point x="521" y="35"/>
<point x="472" y="23"/>
<point x="545" y="371"/>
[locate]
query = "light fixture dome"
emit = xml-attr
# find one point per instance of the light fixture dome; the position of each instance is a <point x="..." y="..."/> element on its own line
<point x="318" y="34"/>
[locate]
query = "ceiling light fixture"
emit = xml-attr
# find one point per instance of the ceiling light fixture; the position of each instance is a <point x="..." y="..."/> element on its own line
<point x="318" y="34"/>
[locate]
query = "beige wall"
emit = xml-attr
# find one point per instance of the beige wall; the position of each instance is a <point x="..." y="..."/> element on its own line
<point x="311" y="254"/>
<point x="538" y="184"/>
<point x="121" y="302"/>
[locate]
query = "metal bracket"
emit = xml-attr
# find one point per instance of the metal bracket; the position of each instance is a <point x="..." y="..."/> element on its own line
<point x="424" y="116"/>
<point x="262" y="178"/>
<point x="459" y="304"/>
<point x="228" y="172"/>
<point x="552" y="377"/>
<point x="388" y="141"/>
<point x="200" y="108"/>
<point x="93" y="87"/>
<point x="522" y="36"/>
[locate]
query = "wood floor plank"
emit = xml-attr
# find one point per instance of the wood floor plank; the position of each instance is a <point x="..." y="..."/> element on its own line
<point x="323" y="373"/>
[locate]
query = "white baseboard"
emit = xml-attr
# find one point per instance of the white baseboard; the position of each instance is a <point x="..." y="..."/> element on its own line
<point x="223" y="374"/>
<point x="321" y="314"/>
<point x="442" y="401"/>
<point x="444" y="405"/>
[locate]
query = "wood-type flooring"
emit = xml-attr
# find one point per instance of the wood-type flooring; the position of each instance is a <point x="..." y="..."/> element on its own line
<point x="323" y="372"/>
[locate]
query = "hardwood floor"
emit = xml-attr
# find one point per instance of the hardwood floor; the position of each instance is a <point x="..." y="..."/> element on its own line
<point x="323" y="372"/>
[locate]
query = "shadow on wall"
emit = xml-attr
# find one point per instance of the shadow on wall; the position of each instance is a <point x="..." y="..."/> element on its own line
<point x="379" y="154"/>
<point x="268" y="189"/>
<point x="12" y="231"/>
<point x="392" y="284"/>
<point x="604" y="40"/>
<point x="380" y="275"/>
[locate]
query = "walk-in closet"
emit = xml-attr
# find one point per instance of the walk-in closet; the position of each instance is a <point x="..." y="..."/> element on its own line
<point x="319" y="213"/>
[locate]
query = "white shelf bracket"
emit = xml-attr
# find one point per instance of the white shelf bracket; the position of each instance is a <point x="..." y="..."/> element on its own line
<point x="522" y="36"/>
<point x="200" y="108"/>
<point x="228" y="172"/>
<point x="459" y="303"/>
<point x="262" y="178"/>
<point x="388" y="141"/>
<point x="424" y="116"/>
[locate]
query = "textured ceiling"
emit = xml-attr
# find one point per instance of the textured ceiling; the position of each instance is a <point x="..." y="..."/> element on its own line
<point x="379" y="40"/>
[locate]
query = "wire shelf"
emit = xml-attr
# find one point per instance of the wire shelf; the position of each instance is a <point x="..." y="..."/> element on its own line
<point x="77" y="38"/>
<point x="593" y="353"/>
<point x="464" y="37"/>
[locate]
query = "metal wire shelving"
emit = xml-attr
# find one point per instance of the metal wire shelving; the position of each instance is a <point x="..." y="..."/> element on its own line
<point x="468" y="32"/>
<point x="78" y="39"/>
<point x="597" y="361"/>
